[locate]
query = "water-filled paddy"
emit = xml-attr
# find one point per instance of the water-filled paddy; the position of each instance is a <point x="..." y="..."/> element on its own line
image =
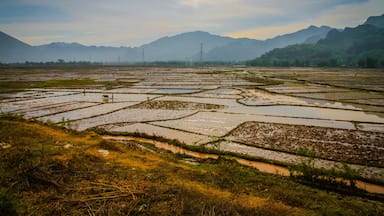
<point x="201" y="105"/>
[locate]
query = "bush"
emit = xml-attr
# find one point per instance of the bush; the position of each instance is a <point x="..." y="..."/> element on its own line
<point x="336" y="175"/>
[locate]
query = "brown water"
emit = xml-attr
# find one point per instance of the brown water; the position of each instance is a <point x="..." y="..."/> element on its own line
<point x="264" y="167"/>
<point x="279" y="170"/>
<point x="166" y="146"/>
<point x="261" y="166"/>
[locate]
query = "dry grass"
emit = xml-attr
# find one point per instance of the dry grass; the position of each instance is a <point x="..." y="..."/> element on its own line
<point x="79" y="179"/>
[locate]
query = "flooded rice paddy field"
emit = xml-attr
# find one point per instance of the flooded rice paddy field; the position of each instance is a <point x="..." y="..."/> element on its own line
<point x="274" y="114"/>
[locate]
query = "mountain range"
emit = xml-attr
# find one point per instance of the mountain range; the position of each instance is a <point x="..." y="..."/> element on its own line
<point x="188" y="47"/>
<point x="361" y="46"/>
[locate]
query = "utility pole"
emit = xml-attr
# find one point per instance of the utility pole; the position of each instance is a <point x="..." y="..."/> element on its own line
<point x="201" y="52"/>
<point x="143" y="55"/>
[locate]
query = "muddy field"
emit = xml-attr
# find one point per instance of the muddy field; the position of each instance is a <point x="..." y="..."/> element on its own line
<point x="361" y="147"/>
<point x="337" y="113"/>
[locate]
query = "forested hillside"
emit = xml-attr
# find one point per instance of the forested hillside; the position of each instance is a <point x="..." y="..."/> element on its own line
<point x="362" y="46"/>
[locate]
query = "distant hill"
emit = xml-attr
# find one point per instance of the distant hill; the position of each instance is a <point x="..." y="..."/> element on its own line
<point x="12" y="49"/>
<point x="8" y="42"/>
<point x="377" y="21"/>
<point x="79" y="52"/>
<point x="245" y="49"/>
<point x="315" y="38"/>
<point x="361" y="46"/>
<point x="181" y="47"/>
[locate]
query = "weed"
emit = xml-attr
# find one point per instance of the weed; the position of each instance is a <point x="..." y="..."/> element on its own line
<point x="108" y="145"/>
<point x="263" y="80"/>
<point x="12" y="116"/>
<point x="65" y="122"/>
<point x="350" y="174"/>
<point x="9" y="203"/>
<point x="311" y="153"/>
<point x="332" y="177"/>
<point x="216" y="143"/>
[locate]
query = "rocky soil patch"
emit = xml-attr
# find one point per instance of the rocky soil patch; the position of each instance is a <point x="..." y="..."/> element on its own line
<point x="176" y="105"/>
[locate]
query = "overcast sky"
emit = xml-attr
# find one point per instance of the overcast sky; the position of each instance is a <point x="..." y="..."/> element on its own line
<point x="136" y="22"/>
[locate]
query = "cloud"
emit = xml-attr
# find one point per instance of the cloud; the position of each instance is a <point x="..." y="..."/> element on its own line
<point x="29" y="13"/>
<point x="134" y="22"/>
<point x="267" y="32"/>
<point x="339" y="16"/>
<point x="350" y="15"/>
<point x="196" y="3"/>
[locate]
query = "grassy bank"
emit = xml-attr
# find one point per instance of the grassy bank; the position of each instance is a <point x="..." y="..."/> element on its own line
<point x="305" y="171"/>
<point x="15" y="86"/>
<point x="48" y="170"/>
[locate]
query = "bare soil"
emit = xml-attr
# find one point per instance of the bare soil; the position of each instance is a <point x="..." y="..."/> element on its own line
<point x="176" y="105"/>
<point x="350" y="146"/>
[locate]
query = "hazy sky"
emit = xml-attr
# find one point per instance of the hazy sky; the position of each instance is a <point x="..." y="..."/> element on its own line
<point x="136" y="22"/>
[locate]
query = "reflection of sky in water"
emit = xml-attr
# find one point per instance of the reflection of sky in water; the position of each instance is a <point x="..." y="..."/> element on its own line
<point x="62" y="107"/>
<point x="88" y="112"/>
<point x="175" y="91"/>
<point x="223" y="91"/>
<point x="345" y="105"/>
<point x="309" y="112"/>
<point x="291" y="111"/>
<point x="188" y="138"/>
<point x="262" y="98"/>
<point x="352" y="95"/>
<point x="219" y="124"/>
<point x="329" y="104"/>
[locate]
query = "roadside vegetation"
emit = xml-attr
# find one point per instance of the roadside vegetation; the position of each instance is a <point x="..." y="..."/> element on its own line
<point x="49" y="170"/>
